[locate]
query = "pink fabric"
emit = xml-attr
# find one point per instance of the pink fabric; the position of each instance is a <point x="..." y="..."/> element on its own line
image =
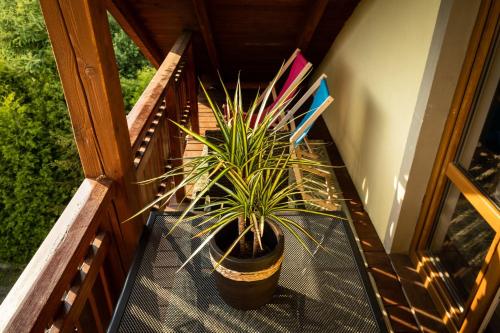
<point x="297" y="66"/>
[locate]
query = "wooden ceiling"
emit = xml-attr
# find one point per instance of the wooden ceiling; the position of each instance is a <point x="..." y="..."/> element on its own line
<point x="254" y="36"/>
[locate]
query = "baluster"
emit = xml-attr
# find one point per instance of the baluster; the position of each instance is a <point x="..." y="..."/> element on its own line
<point x="176" y="145"/>
<point x="192" y="90"/>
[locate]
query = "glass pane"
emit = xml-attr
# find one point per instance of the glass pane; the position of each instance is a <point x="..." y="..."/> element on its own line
<point x="493" y="317"/>
<point x="480" y="154"/>
<point x="460" y="242"/>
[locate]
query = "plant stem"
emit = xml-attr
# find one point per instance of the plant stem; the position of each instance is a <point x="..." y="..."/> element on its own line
<point x="241" y="228"/>
<point x="255" y="247"/>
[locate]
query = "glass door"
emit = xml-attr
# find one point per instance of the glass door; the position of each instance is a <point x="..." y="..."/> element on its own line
<point x="457" y="246"/>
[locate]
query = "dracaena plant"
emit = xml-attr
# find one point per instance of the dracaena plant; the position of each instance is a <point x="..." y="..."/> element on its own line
<point x="255" y="159"/>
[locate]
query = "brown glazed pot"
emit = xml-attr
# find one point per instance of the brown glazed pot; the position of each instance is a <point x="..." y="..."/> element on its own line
<point x="247" y="283"/>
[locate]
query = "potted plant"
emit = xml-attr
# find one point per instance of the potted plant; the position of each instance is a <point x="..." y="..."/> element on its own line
<point x="242" y="228"/>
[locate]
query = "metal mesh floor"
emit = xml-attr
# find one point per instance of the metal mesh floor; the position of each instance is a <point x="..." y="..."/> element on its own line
<point x="329" y="292"/>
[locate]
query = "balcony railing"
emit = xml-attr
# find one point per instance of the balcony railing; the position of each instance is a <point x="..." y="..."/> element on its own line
<point x="74" y="279"/>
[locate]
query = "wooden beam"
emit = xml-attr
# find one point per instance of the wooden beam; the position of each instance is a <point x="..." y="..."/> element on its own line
<point x="81" y="41"/>
<point x="129" y="22"/>
<point x="200" y="9"/>
<point x="312" y="21"/>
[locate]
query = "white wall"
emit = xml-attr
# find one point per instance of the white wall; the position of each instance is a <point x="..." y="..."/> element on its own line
<point x="375" y="69"/>
<point x="449" y="44"/>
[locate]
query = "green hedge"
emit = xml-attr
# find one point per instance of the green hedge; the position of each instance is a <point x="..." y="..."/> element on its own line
<point x="39" y="165"/>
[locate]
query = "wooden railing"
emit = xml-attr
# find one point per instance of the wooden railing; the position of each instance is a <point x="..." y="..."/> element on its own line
<point x="157" y="143"/>
<point x="74" y="279"/>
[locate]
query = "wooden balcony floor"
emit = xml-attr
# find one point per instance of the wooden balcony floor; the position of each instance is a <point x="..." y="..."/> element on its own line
<point x="402" y="316"/>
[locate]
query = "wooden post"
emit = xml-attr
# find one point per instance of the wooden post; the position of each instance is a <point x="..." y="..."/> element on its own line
<point x="81" y="40"/>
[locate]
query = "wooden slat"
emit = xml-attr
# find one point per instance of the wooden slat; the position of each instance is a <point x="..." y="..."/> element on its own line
<point x="135" y="29"/>
<point x="206" y="31"/>
<point x="92" y="267"/>
<point x="107" y="292"/>
<point x="95" y="312"/>
<point x="111" y="224"/>
<point x="80" y="36"/>
<point x="80" y="328"/>
<point x="192" y="83"/>
<point x="312" y="21"/>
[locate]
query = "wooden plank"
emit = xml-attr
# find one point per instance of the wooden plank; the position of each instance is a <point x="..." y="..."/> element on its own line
<point x="206" y="31"/>
<point x="79" y="31"/>
<point x="288" y="118"/>
<point x="252" y="36"/>
<point x="36" y="295"/>
<point x="101" y="246"/>
<point x="112" y="225"/>
<point x="488" y="210"/>
<point x="312" y="21"/>
<point x="95" y="313"/>
<point x="135" y="29"/>
<point x="428" y="317"/>
<point x="152" y="95"/>
<point x="311" y="119"/>
<point x="402" y="319"/>
<point x="280" y="73"/>
<point x="107" y="292"/>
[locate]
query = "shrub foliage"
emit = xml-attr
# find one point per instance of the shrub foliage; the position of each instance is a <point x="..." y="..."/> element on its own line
<point x="39" y="165"/>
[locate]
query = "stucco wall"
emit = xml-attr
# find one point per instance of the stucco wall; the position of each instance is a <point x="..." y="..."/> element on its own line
<point x="375" y="69"/>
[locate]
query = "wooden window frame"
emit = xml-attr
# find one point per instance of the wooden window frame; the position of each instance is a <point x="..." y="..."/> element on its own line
<point x="469" y="317"/>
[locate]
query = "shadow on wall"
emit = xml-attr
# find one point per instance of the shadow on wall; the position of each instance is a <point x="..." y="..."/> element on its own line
<point x="355" y="122"/>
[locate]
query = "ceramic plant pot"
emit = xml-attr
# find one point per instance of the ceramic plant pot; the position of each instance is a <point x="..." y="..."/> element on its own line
<point x="247" y="283"/>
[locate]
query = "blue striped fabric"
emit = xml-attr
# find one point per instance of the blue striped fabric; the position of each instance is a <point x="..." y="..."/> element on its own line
<point x="319" y="98"/>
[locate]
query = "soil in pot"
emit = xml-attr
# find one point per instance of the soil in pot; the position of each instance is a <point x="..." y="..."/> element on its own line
<point x="243" y="282"/>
